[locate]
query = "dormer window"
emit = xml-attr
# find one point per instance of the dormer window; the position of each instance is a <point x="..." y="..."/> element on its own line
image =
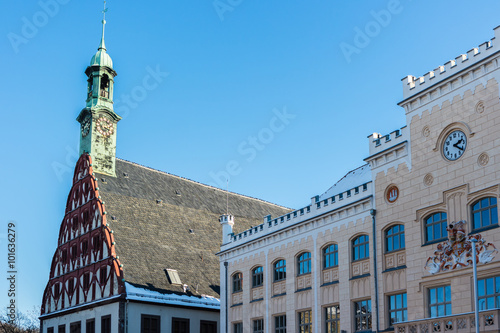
<point x="105" y="86"/>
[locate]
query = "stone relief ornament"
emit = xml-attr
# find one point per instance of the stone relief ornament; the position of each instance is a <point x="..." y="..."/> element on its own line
<point x="457" y="250"/>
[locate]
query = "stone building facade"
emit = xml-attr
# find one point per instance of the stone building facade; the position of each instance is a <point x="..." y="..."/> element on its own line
<point x="354" y="259"/>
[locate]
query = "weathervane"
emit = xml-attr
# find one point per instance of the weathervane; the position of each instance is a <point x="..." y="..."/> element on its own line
<point x="102" y="46"/>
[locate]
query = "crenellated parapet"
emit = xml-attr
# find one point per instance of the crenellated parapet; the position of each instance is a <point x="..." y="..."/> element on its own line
<point x="338" y="204"/>
<point x="388" y="150"/>
<point x="413" y="85"/>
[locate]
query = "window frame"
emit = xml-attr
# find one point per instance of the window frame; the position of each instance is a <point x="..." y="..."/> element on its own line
<point x="399" y="235"/>
<point x="332" y="320"/>
<point x="90" y="326"/>
<point x="237" y="282"/>
<point x="75" y="327"/>
<point x="304" y="321"/>
<point x="238" y="327"/>
<point x="180" y="320"/>
<point x="150" y="318"/>
<point x="442" y="222"/>
<point x="359" y="317"/>
<point x="260" y="322"/>
<point x="490" y="208"/>
<point x="495" y="296"/>
<point x="403" y="308"/>
<point x="330" y="254"/>
<point x="436" y="305"/>
<point x="257" y="277"/>
<point x="105" y="321"/>
<point x="361" y="245"/>
<point x="279" y="272"/>
<point x="304" y="265"/>
<point x="280" y="324"/>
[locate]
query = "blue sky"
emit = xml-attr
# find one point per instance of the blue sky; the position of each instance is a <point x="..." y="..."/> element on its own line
<point x="280" y="94"/>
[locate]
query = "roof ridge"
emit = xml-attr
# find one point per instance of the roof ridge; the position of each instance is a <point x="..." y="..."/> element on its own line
<point x="195" y="182"/>
<point x="348" y="172"/>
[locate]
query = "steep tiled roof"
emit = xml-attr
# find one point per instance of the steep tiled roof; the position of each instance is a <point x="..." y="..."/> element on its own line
<point x="161" y="221"/>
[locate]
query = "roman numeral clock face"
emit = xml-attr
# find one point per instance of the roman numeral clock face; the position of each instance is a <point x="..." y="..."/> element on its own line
<point x="454" y="145"/>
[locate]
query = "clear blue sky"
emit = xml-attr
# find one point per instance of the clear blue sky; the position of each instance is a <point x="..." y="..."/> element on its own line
<point x="230" y="65"/>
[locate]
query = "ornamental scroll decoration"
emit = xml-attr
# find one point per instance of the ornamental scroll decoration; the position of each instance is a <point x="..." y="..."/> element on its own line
<point x="456" y="252"/>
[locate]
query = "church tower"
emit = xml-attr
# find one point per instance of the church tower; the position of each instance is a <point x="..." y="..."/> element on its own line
<point x="98" y="119"/>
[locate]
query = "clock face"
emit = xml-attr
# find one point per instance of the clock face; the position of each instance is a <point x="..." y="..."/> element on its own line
<point x="86" y="127"/>
<point x="454" y="145"/>
<point x="104" y="126"/>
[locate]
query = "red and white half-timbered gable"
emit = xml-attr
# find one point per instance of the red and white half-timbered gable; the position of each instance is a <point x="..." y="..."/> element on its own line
<point x="85" y="266"/>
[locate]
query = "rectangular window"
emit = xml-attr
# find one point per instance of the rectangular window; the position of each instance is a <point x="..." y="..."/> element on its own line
<point x="208" y="326"/>
<point x="90" y="326"/>
<point x="75" y="327"/>
<point x="50" y="330"/>
<point x="398" y="311"/>
<point x="332" y="319"/>
<point x="305" y="322"/>
<point x="439" y="301"/>
<point x="180" y="325"/>
<point x="238" y="328"/>
<point x="258" y="326"/>
<point x="61" y="329"/>
<point x="106" y="324"/>
<point x="150" y="324"/>
<point x="488" y="291"/>
<point x="363" y="315"/>
<point x="280" y="324"/>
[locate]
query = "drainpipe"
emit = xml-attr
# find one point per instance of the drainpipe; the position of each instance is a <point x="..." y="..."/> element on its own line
<point x="226" y="301"/>
<point x="372" y="213"/>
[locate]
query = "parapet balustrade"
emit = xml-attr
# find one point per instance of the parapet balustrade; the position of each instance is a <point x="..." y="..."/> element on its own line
<point x="460" y="323"/>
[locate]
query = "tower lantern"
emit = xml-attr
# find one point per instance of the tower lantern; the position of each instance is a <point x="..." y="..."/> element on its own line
<point x="98" y="120"/>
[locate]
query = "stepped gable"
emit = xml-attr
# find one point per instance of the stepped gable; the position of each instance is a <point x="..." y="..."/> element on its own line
<point x="161" y="221"/>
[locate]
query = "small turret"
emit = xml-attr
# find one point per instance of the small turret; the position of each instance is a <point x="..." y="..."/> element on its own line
<point x="227" y="222"/>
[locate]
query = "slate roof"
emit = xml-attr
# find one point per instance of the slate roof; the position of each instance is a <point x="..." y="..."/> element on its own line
<point x="179" y="232"/>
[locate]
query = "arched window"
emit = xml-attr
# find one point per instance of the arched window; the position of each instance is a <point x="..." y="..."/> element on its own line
<point x="395" y="238"/>
<point x="304" y="263"/>
<point x="331" y="256"/>
<point x="237" y="282"/>
<point x="257" y="277"/>
<point x="484" y="213"/>
<point x="435" y="227"/>
<point x="360" y="248"/>
<point x="279" y="270"/>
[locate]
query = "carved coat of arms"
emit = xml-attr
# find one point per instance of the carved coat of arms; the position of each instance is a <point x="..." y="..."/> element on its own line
<point x="457" y="250"/>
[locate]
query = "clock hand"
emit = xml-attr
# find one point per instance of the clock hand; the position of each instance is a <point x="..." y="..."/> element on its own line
<point x="457" y="143"/>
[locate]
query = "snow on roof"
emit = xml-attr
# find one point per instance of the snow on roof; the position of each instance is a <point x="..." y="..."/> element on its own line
<point x="353" y="178"/>
<point x="140" y="294"/>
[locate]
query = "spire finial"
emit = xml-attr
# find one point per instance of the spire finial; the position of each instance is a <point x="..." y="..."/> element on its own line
<point x="102" y="45"/>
